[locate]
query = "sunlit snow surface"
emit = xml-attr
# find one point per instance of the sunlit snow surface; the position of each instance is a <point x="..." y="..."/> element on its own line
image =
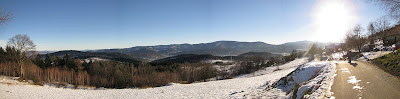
<point x="231" y="88"/>
<point x="353" y="80"/>
<point x="373" y="55"/>
<point x="315" y="77"/>
<point x="243" y="86"/>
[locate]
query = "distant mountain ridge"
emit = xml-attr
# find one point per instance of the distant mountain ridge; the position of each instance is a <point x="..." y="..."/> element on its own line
<point x="194" y="58"/>
<point x="218" y="48"/>
<point x="104" y="55"/>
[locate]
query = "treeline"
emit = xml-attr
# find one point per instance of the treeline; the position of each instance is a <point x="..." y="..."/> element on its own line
<point x="115" y="56"/>
<point x="252" y="64"/>
<point x="110" y="74"/>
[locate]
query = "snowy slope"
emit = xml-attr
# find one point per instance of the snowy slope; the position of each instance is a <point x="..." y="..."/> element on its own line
<point x="311" y="80"/>
<point x="293" y="64"/>
<point x="366" y="55"/>
<point x="373" y="55"/>
<point x="231" y="88"/>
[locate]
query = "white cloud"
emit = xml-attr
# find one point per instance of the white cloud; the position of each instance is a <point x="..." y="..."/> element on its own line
<point x="3" y="43"/>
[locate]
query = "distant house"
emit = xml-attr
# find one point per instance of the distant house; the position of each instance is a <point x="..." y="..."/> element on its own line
<point x="390" y="36"/>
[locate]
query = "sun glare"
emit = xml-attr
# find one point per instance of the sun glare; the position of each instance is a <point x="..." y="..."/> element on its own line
<point x="331" y="20"/>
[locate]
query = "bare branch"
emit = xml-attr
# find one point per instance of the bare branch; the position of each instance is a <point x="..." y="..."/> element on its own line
<point x="22" y="43"/>
<point x="392" y="6"/>
<point x="5" y="16"/>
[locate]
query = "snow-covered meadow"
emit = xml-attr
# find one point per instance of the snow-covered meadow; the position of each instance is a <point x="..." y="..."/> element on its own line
<point x="244" y="86"/>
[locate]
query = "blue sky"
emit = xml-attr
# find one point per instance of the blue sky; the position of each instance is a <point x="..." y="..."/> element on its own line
<point x="103" y="24"/>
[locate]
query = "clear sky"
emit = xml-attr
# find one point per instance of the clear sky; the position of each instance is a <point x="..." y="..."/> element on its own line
<point x="103" y="24"/>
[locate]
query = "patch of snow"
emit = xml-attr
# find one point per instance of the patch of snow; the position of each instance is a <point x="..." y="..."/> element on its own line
<point x="346" y="70"/>
<point x="215" y="61"/>
<point x="372" y="55"/>
<point x="93" y="59"/>
<point x="292" y="64"/>
<point x="337" y="56"/>
<point x="353" y="80"/>
<point x="357" y="87"/>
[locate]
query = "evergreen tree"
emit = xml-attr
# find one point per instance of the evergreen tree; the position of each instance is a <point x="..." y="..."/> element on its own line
<point x="47" y="61"/>
<point x="11" y="54"/>
<point x="2" y="54"/>
<point x="38" y="61"/>
<point x="69" y="62"/>
<point x="78" y="64"/>
<point x="56" y="61"/>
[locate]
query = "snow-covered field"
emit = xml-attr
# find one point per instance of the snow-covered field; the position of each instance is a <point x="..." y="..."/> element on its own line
<point x="231" y="88"/>
<point x="244" y="86"/>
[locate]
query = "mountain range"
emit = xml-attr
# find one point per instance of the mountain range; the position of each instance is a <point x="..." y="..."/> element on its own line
<point x="218" y="48"/>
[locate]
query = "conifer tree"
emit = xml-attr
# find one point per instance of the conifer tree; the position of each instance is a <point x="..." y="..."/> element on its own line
<point x="47" y="61"/>
<point x="56" y="60"/>
<point x="38" y="61"/>
<point x="69" y="62"/>
<point x="2" y="54"/>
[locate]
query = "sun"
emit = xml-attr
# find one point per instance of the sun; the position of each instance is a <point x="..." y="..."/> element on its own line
<point x="332" y="19"/>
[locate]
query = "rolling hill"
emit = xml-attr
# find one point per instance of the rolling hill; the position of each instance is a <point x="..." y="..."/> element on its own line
<point x="218" y="48"/>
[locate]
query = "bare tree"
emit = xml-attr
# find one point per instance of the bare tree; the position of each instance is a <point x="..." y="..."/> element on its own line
<point x="371" y="28"/>
<point x="392" y="6"/>
<point x="382" y="24"/>
<point x="5" y="16"/>
<point x="359" y="37"/>
<point x="355" y="38"/>
<point x="371" y="31"/>
<point x="23" y="44"/>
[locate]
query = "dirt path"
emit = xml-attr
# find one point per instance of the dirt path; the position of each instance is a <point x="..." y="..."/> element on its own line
<point x="364" y="80"/>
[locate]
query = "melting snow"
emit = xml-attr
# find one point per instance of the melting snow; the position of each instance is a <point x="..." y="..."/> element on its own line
<point x="373" y="55"/>
<point x="357" y="87"/>
<point x="346" y="70"/>
<point x="353" y="80"/>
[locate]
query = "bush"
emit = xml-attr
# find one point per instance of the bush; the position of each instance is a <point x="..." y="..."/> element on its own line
<point x="38" y="81"/>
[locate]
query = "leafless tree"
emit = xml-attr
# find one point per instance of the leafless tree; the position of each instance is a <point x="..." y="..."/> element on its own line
<point x="371" y="31"/>
<point x="392" y="6"/>
<point x="5" y="16"/>
<point x="23" y="44"/>
<point x="371" y="28"/>
<point x="360" y="40"/>
<point x="382" y="24"/>
<point x="355" y="38"/>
